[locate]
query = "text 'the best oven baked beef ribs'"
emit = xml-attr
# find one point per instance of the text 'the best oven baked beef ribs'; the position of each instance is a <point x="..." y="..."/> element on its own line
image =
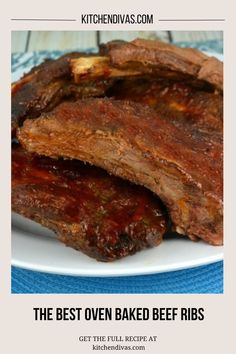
<point x="180" y="164"/>
<point x="89" y="210"/>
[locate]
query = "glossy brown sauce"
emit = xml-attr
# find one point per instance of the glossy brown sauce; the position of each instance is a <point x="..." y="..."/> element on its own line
<point x="174" y="100"/>
<point x="111" y="210"/>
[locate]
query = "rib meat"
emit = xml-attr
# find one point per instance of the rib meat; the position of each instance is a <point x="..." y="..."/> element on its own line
<point x="45" y="86"/>
<point x="79" y="75"/>
<point x="179" y="163"/>
<point x="101" y="215"/>
<point x="174" y="101"/>
<point x="155" y="57"/>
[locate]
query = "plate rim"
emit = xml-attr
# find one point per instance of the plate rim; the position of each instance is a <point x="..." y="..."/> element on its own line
<point x="104" y="274"/>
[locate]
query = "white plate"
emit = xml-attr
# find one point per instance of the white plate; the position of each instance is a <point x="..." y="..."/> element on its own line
<point x="35" y="247"/>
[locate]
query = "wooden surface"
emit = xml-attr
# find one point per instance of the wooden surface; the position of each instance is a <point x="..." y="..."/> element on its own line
<point x="25" y="41"/>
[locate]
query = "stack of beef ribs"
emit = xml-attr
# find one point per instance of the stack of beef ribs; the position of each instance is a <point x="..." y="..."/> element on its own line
<point x="147" y="117"/>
